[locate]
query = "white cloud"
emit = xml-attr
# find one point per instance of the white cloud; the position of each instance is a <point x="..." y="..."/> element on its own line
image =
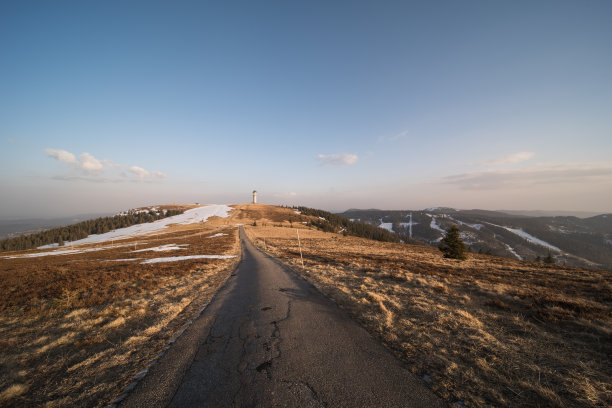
<point x="61" y="155"/>
<point x="337" y="159"/>
<point x="139" y="172"/>
<point x="90" y="164"/>
<point x="537" y="175"/>
<point x="290" y="194"/>
<point x="510" y="159"/>
<point x="89" y="168"/>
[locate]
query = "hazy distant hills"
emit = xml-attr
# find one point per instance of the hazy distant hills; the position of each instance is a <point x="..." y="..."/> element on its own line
<point x="571" y="240"/>
<point x="10" y="228"/>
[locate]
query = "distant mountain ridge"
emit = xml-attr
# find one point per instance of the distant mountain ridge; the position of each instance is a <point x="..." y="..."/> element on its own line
<point x="569" y="239"/>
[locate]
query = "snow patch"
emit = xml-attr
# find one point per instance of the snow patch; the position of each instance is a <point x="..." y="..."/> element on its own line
<point x="528" y="237"/>
<point x="54" y="245"/>
<point x="474" y="226"/>
<point x="163" y="248"/>
<point x="561" y="230"/>
<point x="122" y="260"/>
<point x="182" y="258"/>
<point x="192" y="216"/>
<point x="386" y="225"/>
<point x="63" y="252"/>
<point x="217" y="235"/>
<point x="513" y="252"/>
<point x="433" y="225"/>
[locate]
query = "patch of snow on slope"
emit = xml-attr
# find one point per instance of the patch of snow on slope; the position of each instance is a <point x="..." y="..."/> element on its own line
<point x="475" y="226"/>
<point x="163" y="248"/>
<point x="386" y="225"/>
<point x="561" y="230"/>
<point x="192" y="216"/>
<point x="528" y="237"/>
<point x="217" y="235"/>
<point x="122" y="260"/>
<point x="63" y="252"/>
<point x="434" y="225"/>
<point x="49" y="246"/>
<point x="513" y="252"/>
<point x="182" y="258"/>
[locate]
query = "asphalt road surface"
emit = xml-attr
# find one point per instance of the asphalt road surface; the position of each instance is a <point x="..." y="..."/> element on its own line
<point x="269" y="339"/>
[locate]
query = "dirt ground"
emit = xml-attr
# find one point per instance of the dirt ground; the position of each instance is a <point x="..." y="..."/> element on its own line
<point x="487" y="331"/>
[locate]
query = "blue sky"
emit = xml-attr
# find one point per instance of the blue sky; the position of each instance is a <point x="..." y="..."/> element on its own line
<point x="380" y="104"/>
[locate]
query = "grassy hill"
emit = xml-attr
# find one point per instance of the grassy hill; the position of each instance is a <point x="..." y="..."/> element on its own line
<point x="488" y="331"/>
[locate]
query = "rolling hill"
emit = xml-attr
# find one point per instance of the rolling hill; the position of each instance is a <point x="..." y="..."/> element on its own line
<point x="570" y="240"/>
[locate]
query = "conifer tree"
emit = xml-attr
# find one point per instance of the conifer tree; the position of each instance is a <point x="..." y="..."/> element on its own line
<point x="549" y="259"/>
<point x="451" y="245"/>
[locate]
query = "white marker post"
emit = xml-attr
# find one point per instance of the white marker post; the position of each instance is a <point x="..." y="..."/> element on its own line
<point x="300" y="246"/>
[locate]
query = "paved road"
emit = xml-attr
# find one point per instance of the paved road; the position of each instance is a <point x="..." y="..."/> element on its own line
<point x="270" y="339"/>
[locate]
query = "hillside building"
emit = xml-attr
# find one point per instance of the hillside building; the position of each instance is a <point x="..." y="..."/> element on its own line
<point x="254" y="197"/>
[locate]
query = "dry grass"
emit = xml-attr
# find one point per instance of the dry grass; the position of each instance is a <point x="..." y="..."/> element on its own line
<point x="74" y="329"/>
<point x="487" y="331"/>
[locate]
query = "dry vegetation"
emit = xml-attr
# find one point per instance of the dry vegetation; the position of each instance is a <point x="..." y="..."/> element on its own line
<point x="74" y="329"/>
<point x="487" y="331"/>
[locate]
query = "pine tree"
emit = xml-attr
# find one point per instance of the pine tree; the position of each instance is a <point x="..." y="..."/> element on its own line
<point x="451" y="245"/>
<point x="549" y="259"/>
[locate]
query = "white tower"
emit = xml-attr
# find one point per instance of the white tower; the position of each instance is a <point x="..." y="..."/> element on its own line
<point x="254" y="197"/>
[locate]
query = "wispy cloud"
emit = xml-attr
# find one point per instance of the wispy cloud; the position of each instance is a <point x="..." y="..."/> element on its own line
<point x="510" y="159"/>
<point x="290" y="194"/>
<point x="89" y="168"/>
<point x="541" y="174"/>
<point x="337" y="159"/>
<point x="393" y="138"/>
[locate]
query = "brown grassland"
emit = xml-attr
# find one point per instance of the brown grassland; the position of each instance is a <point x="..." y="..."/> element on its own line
<point x="486" y="331"/>
<point x="74" y="329"/>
